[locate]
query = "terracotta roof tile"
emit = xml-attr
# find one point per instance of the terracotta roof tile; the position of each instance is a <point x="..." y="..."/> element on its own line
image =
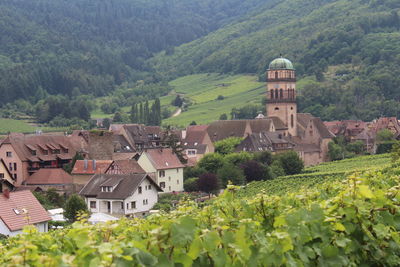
<point x="163" y="158"/>
<point x="127" y="166"/>
<point x="21" y="201"/>
<point x="101" y="166"/>
<point x="49" y="176"/>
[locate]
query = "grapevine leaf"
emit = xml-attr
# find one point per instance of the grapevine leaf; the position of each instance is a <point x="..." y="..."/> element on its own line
<point x="339" y="227"/>
<point x="145" y="258"/>
<point x="183" y="232"/>
<point x="211" y="241"/>
<point x="195" y="248"/>
<point x="365" y="191"/>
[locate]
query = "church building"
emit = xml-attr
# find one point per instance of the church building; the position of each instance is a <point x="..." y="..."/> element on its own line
<point x="308" y="133"/>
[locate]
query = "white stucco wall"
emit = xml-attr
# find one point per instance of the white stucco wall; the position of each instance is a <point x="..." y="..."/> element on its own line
<point x="151" y="194"/>
<point x="42" y="227"/>
<point x="173" y="180"/>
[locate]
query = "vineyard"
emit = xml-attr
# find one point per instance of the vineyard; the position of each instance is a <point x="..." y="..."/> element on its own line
<point x="353" y="221"/>
<point x="320" y="174"/>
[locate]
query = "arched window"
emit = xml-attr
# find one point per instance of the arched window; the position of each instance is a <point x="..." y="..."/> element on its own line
<point x="276" y="93"/>
<point x="281" y="93"/>
<point x="272" y="94"/>
<point x="292" y="120"/>
<point x="276" y="75"/>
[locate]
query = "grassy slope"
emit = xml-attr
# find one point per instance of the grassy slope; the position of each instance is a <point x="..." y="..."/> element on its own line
<point x="21" y="126"/>
<point x="203" y="89"/>
<point x="325" y="172"/>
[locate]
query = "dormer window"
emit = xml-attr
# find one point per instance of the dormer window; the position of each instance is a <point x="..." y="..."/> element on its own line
<point x="45" y="152"/>
<point x="106" y="189"/>
<point x="65" y="150"/>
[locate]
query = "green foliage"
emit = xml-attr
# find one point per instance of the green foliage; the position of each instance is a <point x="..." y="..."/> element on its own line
<point x="68" y="167"/>
<point x="255" y="171"/>
<point x="223" y="117"/>
<point x="74" y="205"/>
<point x="356" y="147"/>
<point x="209" y="183"/>
<point x="191" y="184"/>
<point x="238" y="158"/>
<point x="335" y="151"/>
<point x="385" y="147"/>
<point x="195" y="171"/>
<point x="330" y="222"/>
<point x="229" y="172"/>
<point x="290" y="162"/>
<point x="227" y="145"/>
<point x="384" y="135"/>
<point x="211" y="162"/>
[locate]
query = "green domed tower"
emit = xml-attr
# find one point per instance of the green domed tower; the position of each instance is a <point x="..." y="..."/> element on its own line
<point x="281" y="93"/>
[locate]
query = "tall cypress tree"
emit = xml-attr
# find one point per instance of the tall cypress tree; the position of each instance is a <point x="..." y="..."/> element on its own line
<point x="146" y="113"/>
<point x="134" y="115"/>
<point x="141" y="114"/>
<point x="157" y="111"/>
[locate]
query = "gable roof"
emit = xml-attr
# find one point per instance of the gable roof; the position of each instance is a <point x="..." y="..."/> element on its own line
<point x="25" y="145"/>
<point x="303" y="119"/>
<point x="163" y="158"/>
<point x="100" y="166"/>
<point x="127" y="166"/>
<point x="278" y="123"/>
<point x="264" y="141"/>
<point x="47" y="176"/>
<point x="125" y="185"/>
<point x="21" y="201"/>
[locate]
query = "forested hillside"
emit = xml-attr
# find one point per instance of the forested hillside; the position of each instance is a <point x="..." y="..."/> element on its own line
<point x="92" y="46"/>
<point x="350" y="49"/>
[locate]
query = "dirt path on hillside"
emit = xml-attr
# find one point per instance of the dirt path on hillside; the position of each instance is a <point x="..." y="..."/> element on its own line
<point x="177" y="112"/>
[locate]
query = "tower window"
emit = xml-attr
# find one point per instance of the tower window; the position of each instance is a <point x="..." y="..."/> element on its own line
<point x="272" y="94"/>
<point x="276" y="75"/>
<point x="281" y="93"/>
<point x="292" y="120"/>
<point x="276" y="93"/>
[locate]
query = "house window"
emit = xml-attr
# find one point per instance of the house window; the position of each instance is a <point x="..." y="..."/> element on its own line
<point x="92" y="204"/>
<point x="33" y="152"/>
<point x="177" y="170"/>
<point x="106" y="189"/>
<point x="145" y="201"/>
<point x="169" y="187"/>
<point x="149" y="187"/>
<point x="15" y="166"/>
<point x="162" y="173"/>
<point x="169" y="178"/>
<point x="133" y="205"/>
<point x="1" y="175"/>
<point x="127" y="205"/>
<point x="122" y="205"/>
<point x="162" y="185"/>
<point x="9" y="154"/>
<point x="10" y="166"/>
<point x="15" y="176"/>
<point x="177" y="181"/>
<point x="140" y="189"/>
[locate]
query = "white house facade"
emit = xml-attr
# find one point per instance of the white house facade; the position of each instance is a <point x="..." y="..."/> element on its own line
<point x="166" y="168"/>
<point x="121" y="194"/>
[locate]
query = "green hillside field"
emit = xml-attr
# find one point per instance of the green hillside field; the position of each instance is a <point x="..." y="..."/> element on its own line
<point x="203" y="89"/>
<point x="22" y="126"/>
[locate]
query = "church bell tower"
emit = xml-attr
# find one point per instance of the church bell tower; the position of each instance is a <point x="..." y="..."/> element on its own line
<point x="281" y="93"/>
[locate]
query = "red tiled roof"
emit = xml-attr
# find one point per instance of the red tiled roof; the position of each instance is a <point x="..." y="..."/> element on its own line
<point x="27" y="146"/>
<point x="127" y="166"/>
<point x="49" y="176"/>
<point x="163" y="159"/>
<point x="31" y="212"/>
<point x="101" y="167"/>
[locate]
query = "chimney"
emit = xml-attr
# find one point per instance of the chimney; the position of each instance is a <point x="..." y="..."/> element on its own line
<point x="85" y="164"/>
<point x="94" y="164"/>
<point x="6" y="193"/>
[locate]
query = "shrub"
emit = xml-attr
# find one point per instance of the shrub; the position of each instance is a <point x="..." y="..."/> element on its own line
<point x="291" y="162"/>
<point x="191" y="184"/>
<point x="73" y="206"/>
<point x="211" y="162"/>
<point x="255" y="171"/>
<point x="208" y="183"/>
<point x="228" y="145"/>
<point x="230" y="172"/>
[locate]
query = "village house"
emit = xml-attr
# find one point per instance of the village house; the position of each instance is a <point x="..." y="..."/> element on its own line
<point x="121" y="194"/>
<point x="196" y="142"/>
<point x="165" y="166"/>
<point x="19" y="209"/>
<point x="84" y="170"/>
<point x="6" y="177"/>
<point x="26" y="154"/>
<point x="136" y="137"/>
<point x="127" y="166"/>
<point x="55" y="178"/>
<point x="265" y="141"/>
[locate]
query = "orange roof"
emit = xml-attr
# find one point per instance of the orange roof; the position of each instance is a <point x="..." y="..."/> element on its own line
<point x="100" y="166"/>
<point x="163" y="158"/>
<point x="29" y="209"/>
<point x="49" y="176"/>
